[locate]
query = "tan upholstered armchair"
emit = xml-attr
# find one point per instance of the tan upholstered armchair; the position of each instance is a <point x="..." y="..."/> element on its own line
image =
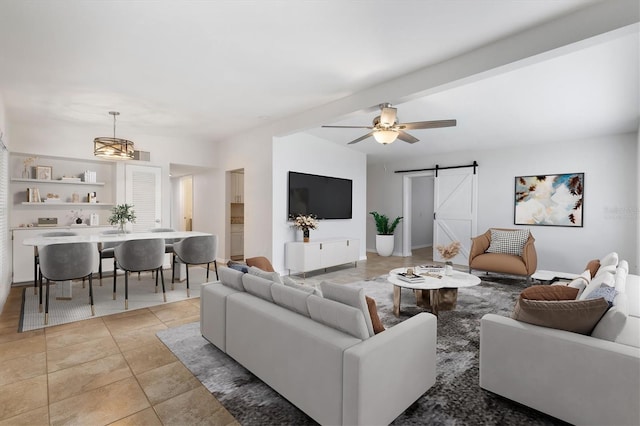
<point x="479" y="259"/>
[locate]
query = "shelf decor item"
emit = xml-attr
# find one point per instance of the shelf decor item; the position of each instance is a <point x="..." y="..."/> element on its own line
<point x="448" y="252"/>
<point x="384" y="238"/>
<point x="28" y="163"/>
<point x="44" y="172"/>
<point x="121" y="214"/>
<point x="305" y="223"/>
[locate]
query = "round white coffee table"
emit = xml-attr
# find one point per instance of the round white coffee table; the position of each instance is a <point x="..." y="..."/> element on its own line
<point x="451" y="283"/>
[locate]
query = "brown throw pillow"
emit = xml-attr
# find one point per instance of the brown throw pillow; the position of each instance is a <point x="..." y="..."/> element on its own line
<point x="593" y="267"/>
<point x="373" y="312"/>
<point x="260" y="262"/>
<point x="578" y="316"/>
<point x="549" y="292"/>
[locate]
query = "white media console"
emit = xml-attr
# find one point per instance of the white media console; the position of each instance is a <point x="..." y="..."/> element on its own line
<point x="305" y="257"/>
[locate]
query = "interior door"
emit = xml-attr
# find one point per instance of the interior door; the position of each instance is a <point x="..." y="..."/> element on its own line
<point x="455" y="210"/>
<point x="143" y="190"/>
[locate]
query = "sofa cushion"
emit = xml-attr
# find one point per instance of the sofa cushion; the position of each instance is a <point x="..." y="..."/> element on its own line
<point x="578" y="316"/>
<point x="337" y="315"/>
<point x="259" y="287"/>
<point x="605" y="278"/>
<point x="606" y="292"/>
<point x="231" y="278"/>
<point x="611" y="324"/>
<point x="508" y="242"/>
<point x="351" y="296"/>
<point x="306" y="288"/>
<point x="271" y="276"/>
<point x="610" y="259"/>
<point x="549" y="292"/>
<point x="580" y="282"/>
<point x="290" y="298"/>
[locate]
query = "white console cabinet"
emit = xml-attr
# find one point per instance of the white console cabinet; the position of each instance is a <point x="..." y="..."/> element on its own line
<point x="305" y="257"/>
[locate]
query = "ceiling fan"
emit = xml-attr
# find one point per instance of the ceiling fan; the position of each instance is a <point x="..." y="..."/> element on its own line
<point x="386" y="128"/>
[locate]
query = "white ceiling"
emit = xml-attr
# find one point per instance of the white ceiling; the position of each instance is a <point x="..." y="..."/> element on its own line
<point x="210" y="70"/>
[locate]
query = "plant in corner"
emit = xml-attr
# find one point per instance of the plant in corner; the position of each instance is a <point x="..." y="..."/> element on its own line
<point x="384" y="238"/>
<point x="121" y="214"/>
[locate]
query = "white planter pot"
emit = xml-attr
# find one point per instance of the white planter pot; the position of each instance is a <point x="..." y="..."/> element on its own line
<point x="384" y="245"/>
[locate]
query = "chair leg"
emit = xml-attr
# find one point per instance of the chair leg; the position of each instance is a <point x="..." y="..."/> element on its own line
<point x="46" y="306"/>
<point x="93" y="309"/>
<point x="115" y="274"/>
<point x="187" y="268"/>
<point x="173" y="270"/>
<point x="208" y="271"/>
<point x="35" y="276"/>
<point x="215" y="265"/>
<point x="126" y="290"/>
<point x="40" y="286"/>
<point x="164" y="293"/>
<point x="156" y="283"/>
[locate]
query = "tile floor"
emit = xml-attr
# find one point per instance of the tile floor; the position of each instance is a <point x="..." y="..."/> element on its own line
<point x="113" y="370"/>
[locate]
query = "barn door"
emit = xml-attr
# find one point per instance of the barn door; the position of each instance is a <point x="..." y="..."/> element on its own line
<point x="144" y="192"/>
<point x="455" y="210"/>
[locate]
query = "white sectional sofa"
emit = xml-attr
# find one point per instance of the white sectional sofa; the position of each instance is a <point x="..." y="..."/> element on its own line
<point x="581" y="379"/>
<point x="320" y="354"/>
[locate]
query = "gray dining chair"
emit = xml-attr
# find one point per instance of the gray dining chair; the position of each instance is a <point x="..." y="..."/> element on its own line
<point x="195" y="251"/>
<point x="138" y="256"/>
<point x="63" y="262"/>
<point x="168" y="243"/>
<point x="106" y="252"/>
<point x="36" y="258"/>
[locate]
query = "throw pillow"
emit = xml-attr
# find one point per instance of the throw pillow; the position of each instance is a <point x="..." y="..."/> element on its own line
<point x="610" y="259"/>
<point x="260" y="262"/>
<point x="549" y="292"/>
<point x="351" y="296"/>
<point x="593" y="266"/>
<point x="508" y="242"/>
<point x="238" y="266"/>
<point x="577" y="316"/>
<point x="605" y="278"/>
<point x="606" y="292"/>
<point x="378" y="327"/>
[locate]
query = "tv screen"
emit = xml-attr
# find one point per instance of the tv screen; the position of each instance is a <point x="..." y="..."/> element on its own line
<point x="324" y="196"/>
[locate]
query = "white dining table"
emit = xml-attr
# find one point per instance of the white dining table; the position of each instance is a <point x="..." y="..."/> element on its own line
<point x="64" y="291"/>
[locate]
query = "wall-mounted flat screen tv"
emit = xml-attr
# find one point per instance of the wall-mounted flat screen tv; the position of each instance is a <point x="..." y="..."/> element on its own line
<point x="324" y="196"/>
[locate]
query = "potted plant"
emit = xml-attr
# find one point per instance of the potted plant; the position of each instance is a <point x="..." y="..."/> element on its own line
<point x="385" y="238"/>
<point x="121" y="214"/>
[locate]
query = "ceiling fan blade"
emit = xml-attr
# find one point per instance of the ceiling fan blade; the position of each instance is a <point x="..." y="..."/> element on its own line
<point x="404" y="136"/>
<point x="350" y="127"/>
<point x="388" y="116"/>
<point x="428" y="124"/>
<point x="361" y="138"/>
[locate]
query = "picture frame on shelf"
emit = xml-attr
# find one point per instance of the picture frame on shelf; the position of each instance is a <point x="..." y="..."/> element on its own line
<point x="44" y="172"/>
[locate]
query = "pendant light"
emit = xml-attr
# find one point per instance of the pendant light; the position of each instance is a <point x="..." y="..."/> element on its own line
<point x="113" y="148"/>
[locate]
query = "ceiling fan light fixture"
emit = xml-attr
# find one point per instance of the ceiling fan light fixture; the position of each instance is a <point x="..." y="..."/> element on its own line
<point x="385" y="136"/>
<point x="111" y="147"/>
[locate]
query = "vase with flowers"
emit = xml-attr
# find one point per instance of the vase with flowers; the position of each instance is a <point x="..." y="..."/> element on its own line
<point x="121" y="214"/>
<point x="305" y="223"/>
<point x="448" y="252"/>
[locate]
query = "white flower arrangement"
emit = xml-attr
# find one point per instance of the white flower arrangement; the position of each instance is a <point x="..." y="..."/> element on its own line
<point x="305" y="222"/>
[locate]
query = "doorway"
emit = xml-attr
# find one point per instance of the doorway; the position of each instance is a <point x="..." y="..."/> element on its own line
<point x="236" y="213"/>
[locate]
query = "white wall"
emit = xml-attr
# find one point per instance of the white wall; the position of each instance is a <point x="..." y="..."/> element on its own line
<point x="308" y="154"/>
<point x="5" y="268"/>
<point x="611" y="192"/>
<point x="421" y="212"/>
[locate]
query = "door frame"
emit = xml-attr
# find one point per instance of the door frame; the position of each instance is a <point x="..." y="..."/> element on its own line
<point x="407" y="201"/>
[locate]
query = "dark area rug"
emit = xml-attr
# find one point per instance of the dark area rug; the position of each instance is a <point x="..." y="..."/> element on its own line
<point x="455" y="399"/>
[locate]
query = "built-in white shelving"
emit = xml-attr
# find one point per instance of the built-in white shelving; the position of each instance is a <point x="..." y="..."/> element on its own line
<point x="65" y="182"/>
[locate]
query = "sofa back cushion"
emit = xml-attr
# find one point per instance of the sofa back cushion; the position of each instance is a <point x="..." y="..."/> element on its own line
<point x="231" y="278"/>
<point x="271" y="276"/>
<point x="337" y="315"/>
<point x="351" y="296"/>
<point x="604" y="278"/>
<point x="290" y="298"/>
<point x="508" y="242"/>
<point x="612" y="323"/>
<point x="257" y="286"/>
<point x="306" y="288"/>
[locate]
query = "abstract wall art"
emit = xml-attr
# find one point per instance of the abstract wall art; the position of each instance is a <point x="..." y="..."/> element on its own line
<point x="552" y="200"/>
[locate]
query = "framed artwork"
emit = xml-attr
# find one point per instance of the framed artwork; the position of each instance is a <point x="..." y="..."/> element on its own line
<point x="44" y="172"/>
<point x="551" y="200"/>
